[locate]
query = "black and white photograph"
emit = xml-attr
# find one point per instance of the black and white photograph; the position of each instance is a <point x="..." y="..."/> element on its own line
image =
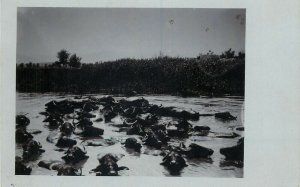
<point x="165" y="93"/>
<point x="130" y="92"/>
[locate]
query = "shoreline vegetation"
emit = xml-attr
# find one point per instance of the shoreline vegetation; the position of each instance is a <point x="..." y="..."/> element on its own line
<point x="207" y="74"/>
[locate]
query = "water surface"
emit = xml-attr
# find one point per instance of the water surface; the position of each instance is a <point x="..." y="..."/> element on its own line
<point x="147" y="163"/>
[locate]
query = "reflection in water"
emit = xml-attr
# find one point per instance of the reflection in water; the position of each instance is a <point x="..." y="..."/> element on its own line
<point x="146" y="163"/>
<point x="198" y="162"/>
<point x="132" y="152"/>
<point x="80" y="164"/>
<point x="225" y="164"/>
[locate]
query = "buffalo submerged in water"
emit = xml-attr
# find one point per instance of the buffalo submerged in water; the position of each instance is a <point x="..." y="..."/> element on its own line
<point x="60" y="167"/>
<point x="108" y="166"/>
<point x="139" y="119"/>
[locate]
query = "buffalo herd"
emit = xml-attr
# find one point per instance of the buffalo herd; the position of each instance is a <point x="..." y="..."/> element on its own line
<point x="74" y="117"/>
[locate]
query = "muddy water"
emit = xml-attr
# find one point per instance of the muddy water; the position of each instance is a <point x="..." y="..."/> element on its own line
<point x="146" y="163"/>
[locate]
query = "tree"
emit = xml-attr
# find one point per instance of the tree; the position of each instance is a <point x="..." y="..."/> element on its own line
<point x="63" y="57"/>
<point x="75" y="61"/>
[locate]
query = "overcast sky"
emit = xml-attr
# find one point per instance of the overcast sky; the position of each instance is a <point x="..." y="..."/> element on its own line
<point x="100" y="34"/>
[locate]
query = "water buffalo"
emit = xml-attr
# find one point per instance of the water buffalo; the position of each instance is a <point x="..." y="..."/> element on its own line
<point x="187" y="115"/>
<point x="183" y="125"/>
<point x="60" y="140"/>
<point x="177" y="133"/>
<point x="60" y="167"/>
<point x="136" y="129"/>
<point x="108" y="116"/>
<point x="84" y="122"/>
<point x="21" y="168"/>
<point x="182" y="129"/>
<point x="22" y="135"/>
<point x="90" y="131"/>
<point x="162" y="135"/>
<point x="171" y="112"/>
<point x="130" y="93"/>
<point x="65" y="170"/>
<point x="99" y="120"/>
<point x="107" y="100"/>
<point x="235" y="152"/>
<point x="32" y="149"/>
<point x="158" y="127"/>
<point x="193" y="151"/>
<point x="106" y="108"/>
<point x="108" y="166"/>
<point x="67" y="128"/>
<point x="147" y="120"/>
<point x="63" y="107"/>
<point x="64" y="141"/>
<point x="132" y="143"/>
<point x="54" y="120"/>
<point x="89" y="106"/>
<point x="74" y="155"/>
<point x="127" y="123"/>
<point x="131" y="112"/>
<point x="197" y="151"/>
<point x="240" y="128"/>
<point x="225" y="116"/>
<point x="174" y="162"/>
<point x="139" y="103"/>
<point x="84" y="114"/>
<point x="152" y="140"/>
<point x="201" y="130"/>
<point x="22" y="121"/>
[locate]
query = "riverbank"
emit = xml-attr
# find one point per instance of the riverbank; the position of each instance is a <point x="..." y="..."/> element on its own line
<point x="209" y="76"/>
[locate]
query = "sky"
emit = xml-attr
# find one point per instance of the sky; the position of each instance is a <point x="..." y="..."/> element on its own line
<point x="102" y="34"/>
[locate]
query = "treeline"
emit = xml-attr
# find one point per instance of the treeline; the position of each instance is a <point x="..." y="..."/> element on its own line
<point x="207" y="74"/>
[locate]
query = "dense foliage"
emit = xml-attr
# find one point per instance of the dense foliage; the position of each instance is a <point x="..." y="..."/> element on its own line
<point x="207" y="75"/>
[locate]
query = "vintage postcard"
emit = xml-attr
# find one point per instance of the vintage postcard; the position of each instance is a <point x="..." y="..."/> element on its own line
<point x="151" y="93"/>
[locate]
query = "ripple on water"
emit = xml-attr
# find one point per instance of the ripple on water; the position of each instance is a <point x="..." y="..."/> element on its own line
<point x="148" y="162"/>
